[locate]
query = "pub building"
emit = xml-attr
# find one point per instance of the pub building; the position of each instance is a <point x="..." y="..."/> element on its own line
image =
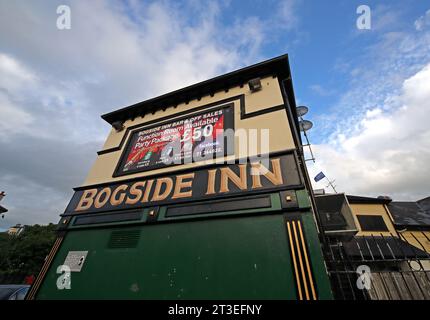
<point x="175" y="207"/>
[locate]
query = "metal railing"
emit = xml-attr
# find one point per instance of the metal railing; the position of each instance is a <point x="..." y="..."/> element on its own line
<point x="378" y="268"/>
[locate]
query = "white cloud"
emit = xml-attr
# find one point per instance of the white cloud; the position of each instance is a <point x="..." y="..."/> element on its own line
<point x="378" y="140"/>
<point x="373" y="113"/>
<point x="13" y="75"/>
<point x="13" y="118"/>
<point x="389" y="151"/>
<point x="423" y="21"/>
<point x="376" y="77"/>
<point x="385" y="17"/>
<point x="23" y="205"/>
<point x="320" y="90"/>
<point x="55" y="84"/>
<point x="287" y="14"/>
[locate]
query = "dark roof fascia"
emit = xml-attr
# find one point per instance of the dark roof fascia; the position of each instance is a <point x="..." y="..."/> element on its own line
<point x="411" y="226"/>
<point x="278" y="66"/>
<point x="363" y="200"/>
<point x="289" y="90"/>
<point x="399" y="247"/>
<point x="424" y="199"/>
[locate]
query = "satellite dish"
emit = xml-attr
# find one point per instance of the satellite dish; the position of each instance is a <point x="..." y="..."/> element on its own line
<point x="302" y="110"/>
<point x="305" y="125"/>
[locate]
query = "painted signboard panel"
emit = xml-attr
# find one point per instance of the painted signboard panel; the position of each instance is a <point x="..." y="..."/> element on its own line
<point x="273" y="173"/>
<point x="178" y="141"/>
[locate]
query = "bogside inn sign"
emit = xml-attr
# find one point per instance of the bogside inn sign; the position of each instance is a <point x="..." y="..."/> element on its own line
<point x="213" y="182"/>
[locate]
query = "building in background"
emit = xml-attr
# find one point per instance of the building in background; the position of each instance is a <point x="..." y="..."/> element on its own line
<point x="412" y="221"/>
<point x="388" y="240"/>
<point x="16" y="230"/>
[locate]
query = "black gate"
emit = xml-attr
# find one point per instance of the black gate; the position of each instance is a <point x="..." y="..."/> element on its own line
<point x="378" y="268"/>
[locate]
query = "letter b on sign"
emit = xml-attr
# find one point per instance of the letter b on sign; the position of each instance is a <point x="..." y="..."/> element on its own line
<point x="364" y="20"/>
<point x="64" y="21"/>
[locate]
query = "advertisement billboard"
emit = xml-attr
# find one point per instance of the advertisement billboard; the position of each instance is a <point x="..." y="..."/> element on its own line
<point x="188" y="139"/>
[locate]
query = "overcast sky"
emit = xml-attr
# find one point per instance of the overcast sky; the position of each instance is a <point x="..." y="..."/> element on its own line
<point x="368" y="90"/>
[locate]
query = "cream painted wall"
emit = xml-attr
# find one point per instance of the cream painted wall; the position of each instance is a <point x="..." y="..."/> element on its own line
<point x="372" y="209"/>
<point x="268" y="97"/>
<point x="419" y="239"/>
<point x="280" y="135"/>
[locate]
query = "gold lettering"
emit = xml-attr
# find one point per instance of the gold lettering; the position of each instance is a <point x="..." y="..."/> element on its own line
<point x="86" y="200"/>
<point x="147" y="190"/>
<point x="169" y="184"/>
<point x="228" y="174"/>
<point x="274" y="177"/>
<point x="211" y="181"/>
<point x="107" y="192"/>
<point x="134" y="191"/>
<point x="177" y="193"/>
<point x="113" y="200"/>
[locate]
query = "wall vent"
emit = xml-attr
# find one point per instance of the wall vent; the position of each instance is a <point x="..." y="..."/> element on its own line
<point x="124" y="239"/>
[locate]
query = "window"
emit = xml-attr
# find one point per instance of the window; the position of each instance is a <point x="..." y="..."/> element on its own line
<point x="372" y="223"/>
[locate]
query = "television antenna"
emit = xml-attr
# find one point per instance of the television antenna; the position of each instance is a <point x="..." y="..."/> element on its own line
<point x="330" y="184"/>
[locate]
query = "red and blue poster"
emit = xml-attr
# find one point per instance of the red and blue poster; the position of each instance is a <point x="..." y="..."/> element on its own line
<point x="178" y="141"/>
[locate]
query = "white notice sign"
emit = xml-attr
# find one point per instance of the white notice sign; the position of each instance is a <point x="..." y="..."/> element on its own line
<point x="75" y="260"/>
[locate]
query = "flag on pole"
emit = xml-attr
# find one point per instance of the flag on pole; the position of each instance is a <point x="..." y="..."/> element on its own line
<point x="319" y="176"/>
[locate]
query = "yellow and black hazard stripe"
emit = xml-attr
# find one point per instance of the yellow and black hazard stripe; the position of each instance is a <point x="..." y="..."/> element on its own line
<point x="301" y="262"/>
<point x="45" y="267"/>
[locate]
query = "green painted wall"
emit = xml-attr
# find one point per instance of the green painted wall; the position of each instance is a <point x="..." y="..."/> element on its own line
<point x="317" y="260"/>
<point x="223" y="258"/>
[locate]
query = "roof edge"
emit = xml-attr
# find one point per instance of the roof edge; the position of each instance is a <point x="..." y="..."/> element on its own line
<point x="278" y="66"/>
<point x="359" y="199"/>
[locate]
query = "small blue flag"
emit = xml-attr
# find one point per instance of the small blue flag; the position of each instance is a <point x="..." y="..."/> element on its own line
<point x="319" y="176"/>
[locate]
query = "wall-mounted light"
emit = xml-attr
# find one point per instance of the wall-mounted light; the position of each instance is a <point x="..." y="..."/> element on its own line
<point x="118" y="125"/>
<point x="255" y="84"/>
